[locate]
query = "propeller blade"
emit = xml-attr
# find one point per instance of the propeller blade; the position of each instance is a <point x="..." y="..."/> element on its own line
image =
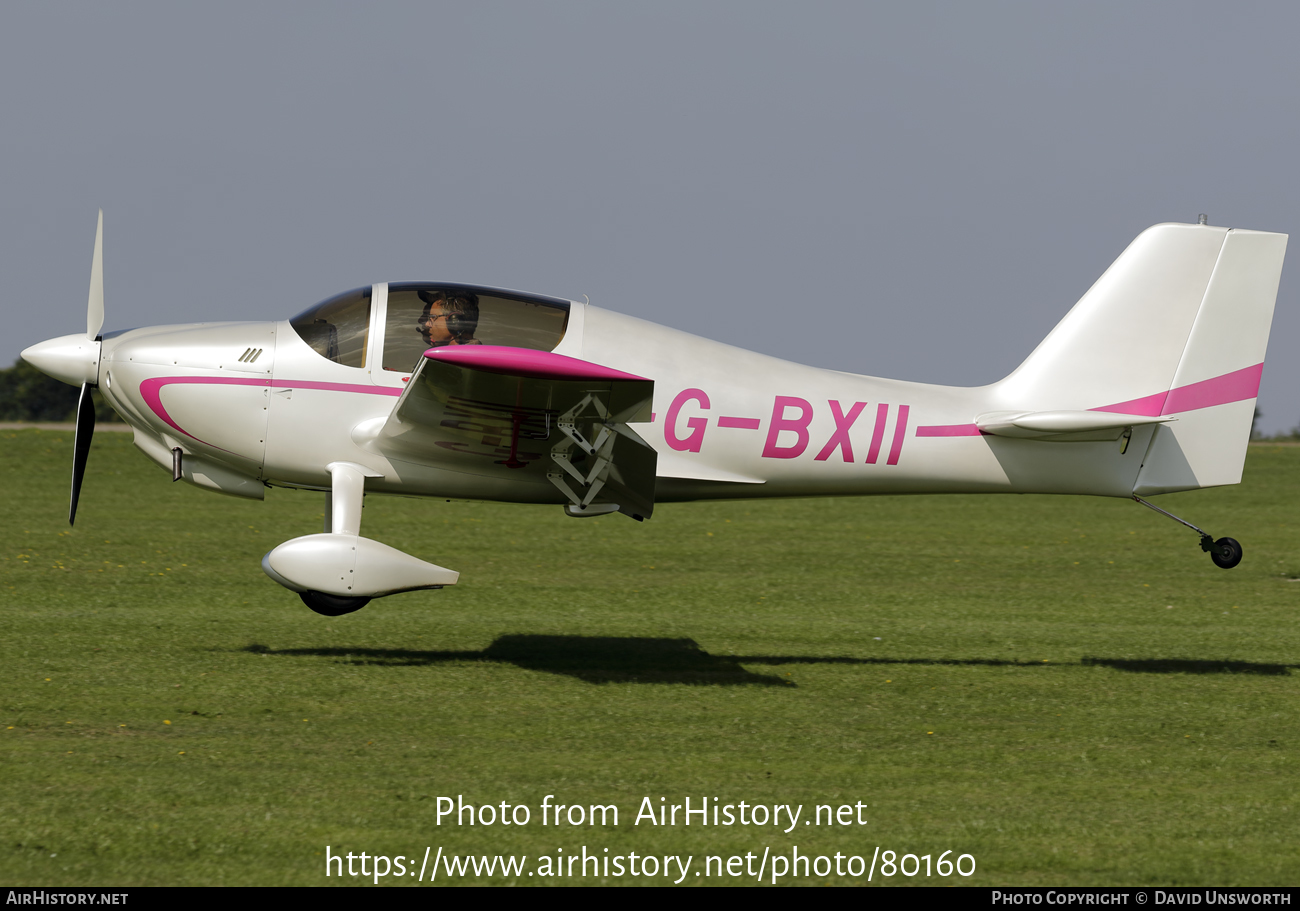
<point x="95" y="304"/>
<point x="81" y="445"/>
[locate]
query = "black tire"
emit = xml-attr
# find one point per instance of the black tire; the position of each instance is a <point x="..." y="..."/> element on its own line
<point x="1226" y="553"/>
<point x="333" y="605"/>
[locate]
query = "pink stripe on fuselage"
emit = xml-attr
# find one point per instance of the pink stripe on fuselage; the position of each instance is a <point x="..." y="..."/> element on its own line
<point x="336" y="387"/>
<point x="1236" y="386"/>
<point x="948" y="430"/>
<point x="1147" y="406"/>
<point x="1231" y="387"/>
<point x="151" y="391"/>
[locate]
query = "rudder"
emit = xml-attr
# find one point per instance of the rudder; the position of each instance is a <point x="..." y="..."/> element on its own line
<point x="1214" y="390"/>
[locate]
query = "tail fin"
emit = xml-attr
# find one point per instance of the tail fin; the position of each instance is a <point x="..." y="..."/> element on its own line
<point x="1178" y="325"/>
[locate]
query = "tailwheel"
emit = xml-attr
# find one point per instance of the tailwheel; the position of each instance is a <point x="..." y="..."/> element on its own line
<point x="335" y="606"/>
<point x="1225" y="553"/>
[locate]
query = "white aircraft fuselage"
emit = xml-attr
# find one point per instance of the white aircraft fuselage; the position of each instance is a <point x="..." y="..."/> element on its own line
<point x="1147" y="386"/>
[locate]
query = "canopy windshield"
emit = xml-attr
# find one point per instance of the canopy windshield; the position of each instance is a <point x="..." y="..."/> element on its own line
<point x="337" y="328"/>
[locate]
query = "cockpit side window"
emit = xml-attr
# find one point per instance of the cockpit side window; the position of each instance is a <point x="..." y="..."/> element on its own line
<point x="338" y="328"/>
<point x="423" y="316"/>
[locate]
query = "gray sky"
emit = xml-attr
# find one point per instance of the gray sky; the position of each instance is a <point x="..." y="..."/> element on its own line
<point x="909" y="190"/>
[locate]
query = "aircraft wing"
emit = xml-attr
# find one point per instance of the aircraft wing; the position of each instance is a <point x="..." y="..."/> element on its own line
<point x="532" y="416"/>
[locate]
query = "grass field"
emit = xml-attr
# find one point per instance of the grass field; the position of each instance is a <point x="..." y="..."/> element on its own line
<point x="1065" y="688"/>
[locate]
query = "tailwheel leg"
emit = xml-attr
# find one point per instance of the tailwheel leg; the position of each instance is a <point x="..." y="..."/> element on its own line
<point x="1225" y="552"/>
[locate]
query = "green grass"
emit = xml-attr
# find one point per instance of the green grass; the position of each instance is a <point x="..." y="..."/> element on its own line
<point x="1065" y="688"/>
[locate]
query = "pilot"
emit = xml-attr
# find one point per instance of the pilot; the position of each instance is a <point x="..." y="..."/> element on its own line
<point x="449" y="318"/>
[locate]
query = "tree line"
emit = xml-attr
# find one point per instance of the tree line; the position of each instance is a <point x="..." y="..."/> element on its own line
<point x="26" y="394"/>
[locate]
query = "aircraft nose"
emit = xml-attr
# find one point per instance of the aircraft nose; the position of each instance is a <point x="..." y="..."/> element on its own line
<point x="74" y="359"/>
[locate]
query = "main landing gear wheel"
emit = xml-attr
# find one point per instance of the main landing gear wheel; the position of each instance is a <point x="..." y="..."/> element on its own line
<point x="1225" y="553"/>
<point x="335" y="606"/>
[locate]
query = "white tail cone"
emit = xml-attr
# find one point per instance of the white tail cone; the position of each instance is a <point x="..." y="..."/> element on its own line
<point x="351" y="566"/>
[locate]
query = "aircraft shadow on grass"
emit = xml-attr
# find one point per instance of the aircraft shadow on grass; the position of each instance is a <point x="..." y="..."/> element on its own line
<point x="610" y="659"/>
<point x="595" y="659"/>
<point x="1190" y="666"/>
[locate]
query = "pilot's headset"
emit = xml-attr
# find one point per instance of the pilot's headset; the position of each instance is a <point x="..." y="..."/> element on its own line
<point x="461" y="307"/>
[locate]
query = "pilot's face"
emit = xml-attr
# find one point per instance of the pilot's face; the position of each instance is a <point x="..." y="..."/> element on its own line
<point x="433" y="324"/>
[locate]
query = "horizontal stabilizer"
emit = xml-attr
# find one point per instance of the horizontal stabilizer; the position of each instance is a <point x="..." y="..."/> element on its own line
<point x="1038" y="425"/>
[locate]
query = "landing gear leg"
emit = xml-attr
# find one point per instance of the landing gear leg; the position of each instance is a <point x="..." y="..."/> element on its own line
<point x="337" y="571"/>
<point x="1225" y="552"/>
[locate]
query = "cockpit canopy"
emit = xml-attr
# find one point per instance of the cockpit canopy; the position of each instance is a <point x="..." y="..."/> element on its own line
<point x="480" y="316"/>
<point x="421" y="315"/>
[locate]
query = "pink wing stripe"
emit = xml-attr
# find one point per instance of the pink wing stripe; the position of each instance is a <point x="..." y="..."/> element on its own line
<point x="740" y="423"/>
<point x="151" y="390"/>
<point x="948" y="430"/>
<point x="541" y="365"/>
